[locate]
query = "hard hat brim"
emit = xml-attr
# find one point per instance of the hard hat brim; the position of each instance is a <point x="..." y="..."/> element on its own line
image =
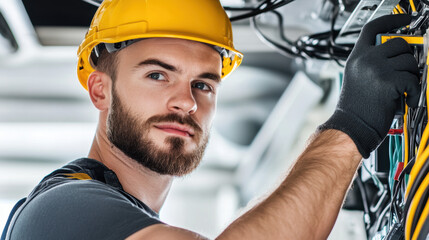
<point x="85" y="68"/>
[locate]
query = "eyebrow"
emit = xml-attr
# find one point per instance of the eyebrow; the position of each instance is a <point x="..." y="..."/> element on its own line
<point x="212" y="76"/>
<point x="157" y="62"/>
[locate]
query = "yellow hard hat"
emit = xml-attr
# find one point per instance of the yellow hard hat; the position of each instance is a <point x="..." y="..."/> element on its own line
<point x="197" y="20"/>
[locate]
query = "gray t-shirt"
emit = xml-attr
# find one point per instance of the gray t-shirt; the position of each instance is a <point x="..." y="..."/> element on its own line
<point x="82" y="200"/>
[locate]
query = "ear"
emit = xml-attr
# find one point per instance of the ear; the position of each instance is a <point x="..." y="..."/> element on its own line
<point x="99" y="89"/>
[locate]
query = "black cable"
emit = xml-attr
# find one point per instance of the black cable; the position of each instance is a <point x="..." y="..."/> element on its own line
<point x="239" y="8"/>
<point x="419" y="210"/>
<point x="410" y="126"/>
<point x="281" y="30"/>
<point x="424" y="231"/>
<point x="316" y="46"/>
<point x="283" y="49"/>
<point x="399" y="185"/>
<point x="351" y="32"/>
<point x="394" y="192"/>
<point x="380" y="217"/>
<point x="333" y="36"/>
<point x="394" y="200"/>
<point x="417" y="122"/>
<point x="322" y="45"/>
<point x="260" y="10"/>
<point x="362" y="191"/>
<point x="416" y="184"/>
<point x="416" y="117"/>
<point x="407" y="168"/>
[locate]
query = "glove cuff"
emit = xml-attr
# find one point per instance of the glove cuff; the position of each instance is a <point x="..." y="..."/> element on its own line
<point x="364" y="136"/>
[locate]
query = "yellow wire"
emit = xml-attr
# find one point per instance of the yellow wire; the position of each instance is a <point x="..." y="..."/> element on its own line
<point x="421" y="158"/>
<point x="421" y="221"/>
<point x="425" y="135"/>
<point x="398" y="7"/>
<point x="413" y="7"/>
<point x="414" y="204"/>
<point x="405" y="137"/>
<point x="424" y="140"/>
<point x="427" y="90"/>
<point x="416" y="169"/>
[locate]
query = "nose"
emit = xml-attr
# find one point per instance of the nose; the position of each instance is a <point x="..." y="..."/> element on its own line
<point x="182" y="100"/>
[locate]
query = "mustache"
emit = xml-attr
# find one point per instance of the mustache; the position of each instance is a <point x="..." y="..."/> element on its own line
<point x="172" y="117"/>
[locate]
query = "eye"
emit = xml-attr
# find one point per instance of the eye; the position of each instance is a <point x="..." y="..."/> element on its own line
<point x="202" y="86"/>
<point x="156" y="76"/>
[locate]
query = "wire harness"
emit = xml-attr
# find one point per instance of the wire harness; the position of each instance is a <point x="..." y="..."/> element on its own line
<point x="405" y="213"/>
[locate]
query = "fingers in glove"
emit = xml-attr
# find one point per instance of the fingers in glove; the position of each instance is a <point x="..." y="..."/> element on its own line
<point x="405" y="62"/>
<point x="394" y="47"/>
<point x="409" y="83"/>
<point x="381" y="25"/>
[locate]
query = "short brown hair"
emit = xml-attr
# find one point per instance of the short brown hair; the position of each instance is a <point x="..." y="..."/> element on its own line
<point x="107" y="63"/>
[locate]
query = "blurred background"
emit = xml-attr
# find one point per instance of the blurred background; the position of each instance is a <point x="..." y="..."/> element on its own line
<point x="267" y="110"/>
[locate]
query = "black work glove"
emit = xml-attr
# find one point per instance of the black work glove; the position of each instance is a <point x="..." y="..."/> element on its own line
<point x="375" y="78"/>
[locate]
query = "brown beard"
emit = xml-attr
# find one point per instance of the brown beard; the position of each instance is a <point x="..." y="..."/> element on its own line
<point x="130" y="135"/>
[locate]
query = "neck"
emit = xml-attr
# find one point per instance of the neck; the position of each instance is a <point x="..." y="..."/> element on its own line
<point x="144" y="184"/>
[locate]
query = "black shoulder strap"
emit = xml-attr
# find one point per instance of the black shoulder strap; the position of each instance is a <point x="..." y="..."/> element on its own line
<point x="14" y="209"/>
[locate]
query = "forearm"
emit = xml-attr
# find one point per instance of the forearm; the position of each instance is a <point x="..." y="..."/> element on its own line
<point x="307" y="203"/>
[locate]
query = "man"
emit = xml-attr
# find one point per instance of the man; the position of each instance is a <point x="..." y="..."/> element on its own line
<point x="152" y="68"/>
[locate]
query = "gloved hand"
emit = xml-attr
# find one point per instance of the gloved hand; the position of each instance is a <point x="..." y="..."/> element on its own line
<point x="375" y="78"/>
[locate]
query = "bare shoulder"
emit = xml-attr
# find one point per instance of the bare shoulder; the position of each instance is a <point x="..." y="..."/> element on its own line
<point x="163" y="231"/>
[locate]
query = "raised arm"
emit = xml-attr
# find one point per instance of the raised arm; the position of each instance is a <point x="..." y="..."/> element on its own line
<point x="306" y="204"/>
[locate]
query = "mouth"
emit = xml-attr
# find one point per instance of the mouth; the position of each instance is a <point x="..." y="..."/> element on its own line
<point x="176" y="129"/>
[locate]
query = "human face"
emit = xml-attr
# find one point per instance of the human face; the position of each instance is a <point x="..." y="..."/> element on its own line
<point x="163" y="102"/>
